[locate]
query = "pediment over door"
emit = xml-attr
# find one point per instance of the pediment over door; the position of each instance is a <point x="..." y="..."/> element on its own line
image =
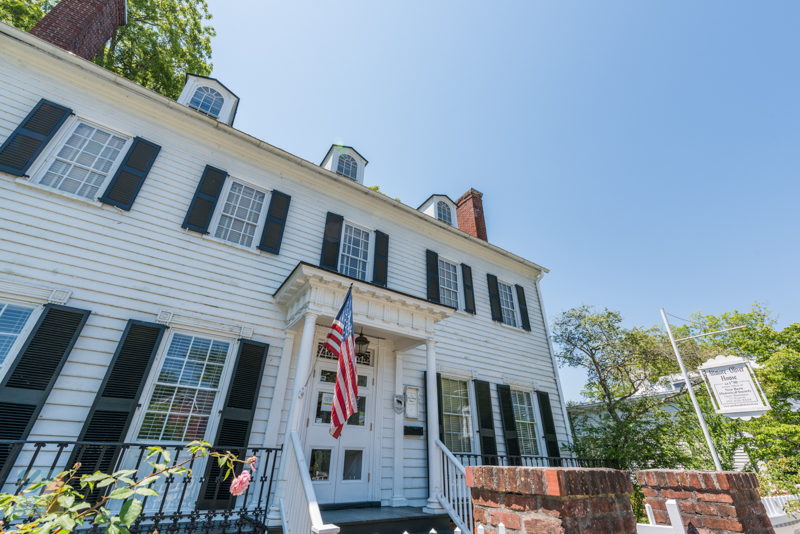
<point x="406" y="319"/>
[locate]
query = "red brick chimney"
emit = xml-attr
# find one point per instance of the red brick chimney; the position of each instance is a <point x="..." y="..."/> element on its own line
<point x="81" y="26"/>
<point x="470" y="214"/>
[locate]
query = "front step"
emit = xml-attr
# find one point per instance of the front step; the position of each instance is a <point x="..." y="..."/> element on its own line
<point x="387" y="520"/>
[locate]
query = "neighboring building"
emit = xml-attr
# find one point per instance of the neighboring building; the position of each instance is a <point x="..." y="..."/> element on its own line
<point x="165" y="277"/>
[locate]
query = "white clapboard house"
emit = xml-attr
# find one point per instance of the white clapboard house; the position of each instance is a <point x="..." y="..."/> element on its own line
<point x="165" y="277"/>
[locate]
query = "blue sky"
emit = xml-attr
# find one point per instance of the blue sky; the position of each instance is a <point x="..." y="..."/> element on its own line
<point x="645" y="152"/>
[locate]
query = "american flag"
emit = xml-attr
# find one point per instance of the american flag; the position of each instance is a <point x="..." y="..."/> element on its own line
<point x="341" y="342"/>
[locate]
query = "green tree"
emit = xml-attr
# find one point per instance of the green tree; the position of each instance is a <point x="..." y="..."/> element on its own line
<point x="162" y="41"/>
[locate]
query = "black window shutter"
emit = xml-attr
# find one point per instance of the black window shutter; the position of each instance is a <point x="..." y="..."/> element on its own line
<point x="329" y="257"/>
<point x="198" y="217"/>
<point x="432" y="272"/>
<point x="439" y="405"/>
<point x="31" y="136"/>
<point x="469" y="291"/>
<point x="32" y="375"/>
<point x="494" y="297"/>
<point x="278" y="210"/>
<point x="235" y="422"/>
<point x="380" y="265"/>
<point x="523" y="308"/>
<point x="510" y="435"/>
<point x="549" y="426"/>
<point x="486" y="432"/>
<point x="128" y="180"/>
<point x="116" y="401"/>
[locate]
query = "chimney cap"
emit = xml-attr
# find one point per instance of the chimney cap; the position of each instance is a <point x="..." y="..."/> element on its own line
<point x="471" y="192"/>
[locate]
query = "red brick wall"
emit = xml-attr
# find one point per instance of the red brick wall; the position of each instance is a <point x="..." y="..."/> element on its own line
<point x="542" y="500"/>
<point x="713" y="502"/>
<point x="469" y="210"/>
<point x="81" y="26"/>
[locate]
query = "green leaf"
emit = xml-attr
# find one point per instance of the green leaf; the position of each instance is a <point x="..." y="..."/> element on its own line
<point x="126" y="480"/>
<point x="130" y="512"/>
<point x="167" y="456"/>
<point x="66" y="500"/>
<point x="220" y="461"/>
<point x="152" y="451"/>
<point x="66" y="522"/>
<point x="125" y="473"/>
<point x="94" y="477"/>
<point x="147" y="492"/>
<point x="80" y="506"/>
<point x="120" y="493"/>
<point x="106" y="482"/>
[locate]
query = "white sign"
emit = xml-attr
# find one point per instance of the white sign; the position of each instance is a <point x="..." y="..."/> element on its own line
<point x="326" y="405"/>
<point x="733" y="387"/>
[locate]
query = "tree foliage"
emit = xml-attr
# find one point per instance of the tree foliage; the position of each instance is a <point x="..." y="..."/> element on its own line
<point x="162" y="41"/>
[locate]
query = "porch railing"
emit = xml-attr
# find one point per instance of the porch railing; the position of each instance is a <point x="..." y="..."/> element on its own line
<point x="299" y="508"/>
<point x="455" y="495"/>
<point x="532" y="461"/>
<point x="199" y="501"/>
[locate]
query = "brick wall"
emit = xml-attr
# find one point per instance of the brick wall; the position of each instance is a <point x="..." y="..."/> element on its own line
<point x="542" y="500"/>
<point x="712" y="502"/>
<point x="469" y="211"/>
<point x="81" y="26"/>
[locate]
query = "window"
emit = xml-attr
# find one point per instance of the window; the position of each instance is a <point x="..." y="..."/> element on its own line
<point x="448" y="283"/>
<point x="456" y="418"/>
<point x="207" y="101"/>
<point x="507" y="304"/>
<point x="185" y="389"/>
<point x="347" y="166"/>
<point x="84" y="161"/>
<point x="240" y="215"/>
<point x="12" y="320"/>
<point x="354" y="256"/>
<point x="526" y="422"/>
<point x="443" y="212"/>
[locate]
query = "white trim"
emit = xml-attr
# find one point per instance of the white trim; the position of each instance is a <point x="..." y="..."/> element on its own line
<point x="54" y="146"/>
<point x="33" y="294"/>
<point x="370" y="247"/>
<point x="200" y="324"/>
<point x="223" y="196"/>
<point x="13" y="352"/>
<point x="459" y="283"/>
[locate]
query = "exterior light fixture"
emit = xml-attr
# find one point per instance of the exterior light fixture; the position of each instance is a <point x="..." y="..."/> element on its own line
<point x="361" y="343"/>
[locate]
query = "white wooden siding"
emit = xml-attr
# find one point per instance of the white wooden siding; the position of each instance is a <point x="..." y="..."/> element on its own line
<point x="125" y="265"/>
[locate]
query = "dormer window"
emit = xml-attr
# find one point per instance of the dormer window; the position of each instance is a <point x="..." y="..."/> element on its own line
<point x="443" y="212"/>
<point x="207" y="101"/>
<point x="347" y="166"/>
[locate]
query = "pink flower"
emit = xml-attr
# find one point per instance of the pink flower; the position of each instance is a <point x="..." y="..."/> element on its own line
<point x="240" y="483"/>
<point x="252" y="461"/>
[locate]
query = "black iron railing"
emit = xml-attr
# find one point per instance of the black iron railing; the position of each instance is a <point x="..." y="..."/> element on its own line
<point x="195" y="502"/>
<point x="533" y="461"/>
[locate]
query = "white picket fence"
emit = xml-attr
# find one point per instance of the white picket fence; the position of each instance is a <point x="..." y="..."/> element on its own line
<point x="781" y="521"/>
<point x="675" y="526"/>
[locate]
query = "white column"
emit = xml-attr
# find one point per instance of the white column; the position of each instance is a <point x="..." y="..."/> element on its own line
<point x="305" y="356"/>
<point x="434" y="455"/>
<point x="398" y="492"/>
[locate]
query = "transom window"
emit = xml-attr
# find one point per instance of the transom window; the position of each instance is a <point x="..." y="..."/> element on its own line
<point x="84" y="162"/>
<point x="207" y="101"/>
<point x="240" y="215"/>
<point x="185" y="390"/>
<point x="12" y="320"/>
<point x="456" y="418"/>
<point x="507" y="304"/>
<point x="347" y="166"/>
<point x="448" y="283"/>
<point x="443" y="212"/>
<point x="354" y="256"/>
<point x="526" y="422"/>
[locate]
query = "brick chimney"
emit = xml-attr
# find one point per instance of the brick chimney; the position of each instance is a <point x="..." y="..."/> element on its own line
<point x="81" y="26"/>
<point x="469" y="209"/>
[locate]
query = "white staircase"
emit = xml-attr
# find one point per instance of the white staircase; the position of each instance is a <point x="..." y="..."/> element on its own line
<point x="454" y="495"/>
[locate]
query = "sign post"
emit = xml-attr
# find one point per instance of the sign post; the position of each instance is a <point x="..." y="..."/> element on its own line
<point x="733" y="387"/>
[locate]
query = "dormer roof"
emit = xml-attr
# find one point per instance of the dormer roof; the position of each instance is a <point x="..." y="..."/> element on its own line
<point x="327" y="155"/>
<point x="210" y="97"/>
<point x="346" y="161"/>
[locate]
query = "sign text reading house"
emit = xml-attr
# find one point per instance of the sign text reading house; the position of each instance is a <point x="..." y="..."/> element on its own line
<point x="733" y="387"/>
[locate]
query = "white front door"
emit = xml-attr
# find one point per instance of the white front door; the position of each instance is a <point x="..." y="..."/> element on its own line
<point x="340" y="468"/>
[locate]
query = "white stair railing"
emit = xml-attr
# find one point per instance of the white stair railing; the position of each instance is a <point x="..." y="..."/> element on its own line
<point x="455" y="495"/>
<point x="299" y="508"/>
<point x="675" y="526"/>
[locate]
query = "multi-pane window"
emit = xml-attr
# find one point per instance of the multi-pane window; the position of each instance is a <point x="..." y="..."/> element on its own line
<point x="185" y="390"/>
<point x="443" y="212"/>
<point x="448" y="283"/>
<point x="456" y="418"/>
<point x="354" y="256"/>
<point x="526" y="422"/>
<point x="12" y="321"/>
<point x="507" y="304"/>
<point x="240" y="214"/>
<point x="207" y="101"/>
<point x="83" y="163"/>
<point x="347" y="166"/>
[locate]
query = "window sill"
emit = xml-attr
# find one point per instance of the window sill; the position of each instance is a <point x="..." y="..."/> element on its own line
<point x="514" y="328"/>
<point x="56" y="192"/>
<point x="209" y="237"/>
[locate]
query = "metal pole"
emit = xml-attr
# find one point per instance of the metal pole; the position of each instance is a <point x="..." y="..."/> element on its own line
<point x="700" y="417"/>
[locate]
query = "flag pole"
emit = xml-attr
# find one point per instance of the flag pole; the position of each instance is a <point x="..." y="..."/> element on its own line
<point x="700" y="417"/>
